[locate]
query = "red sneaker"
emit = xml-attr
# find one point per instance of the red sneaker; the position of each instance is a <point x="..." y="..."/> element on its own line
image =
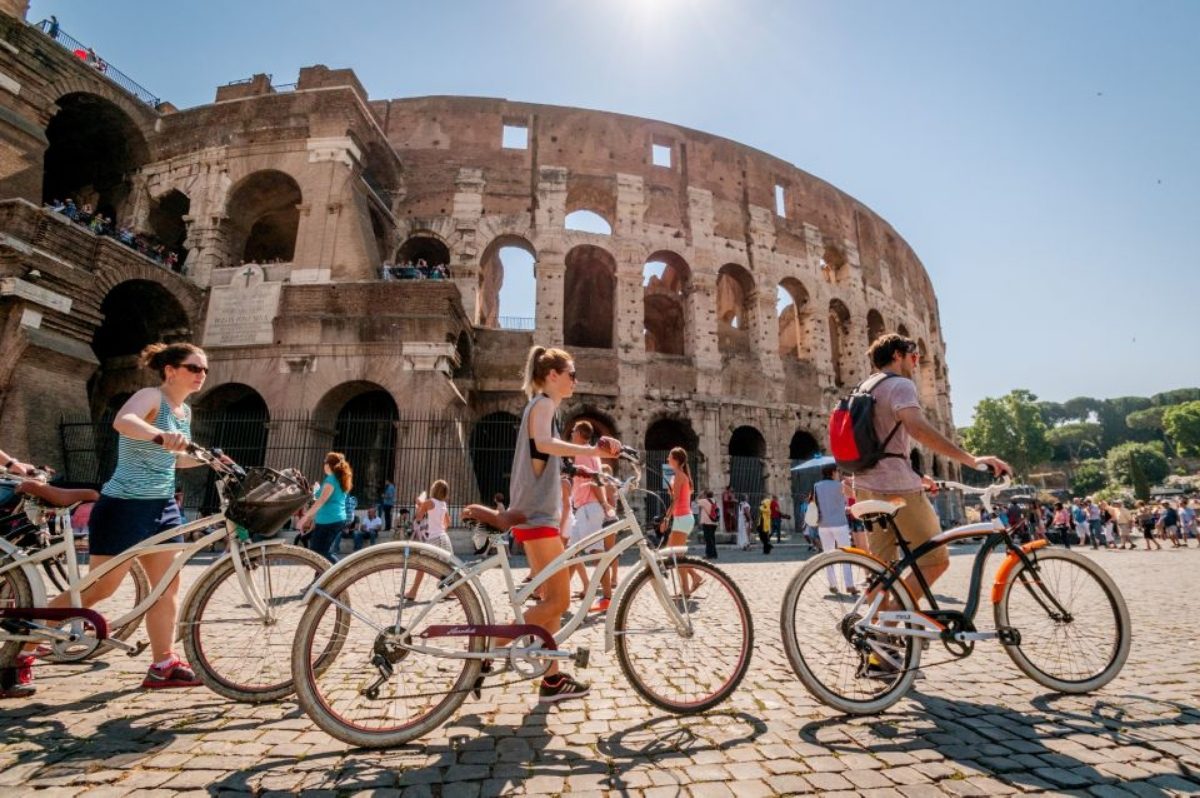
<point x="21" y="677"/>
<point x="175" y="673"/>
<point x="601" y="605"/>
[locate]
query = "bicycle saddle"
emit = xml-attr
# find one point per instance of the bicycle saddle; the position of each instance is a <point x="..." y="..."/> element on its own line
<point x="874" y="507"/>
<point x="58" y="497"/>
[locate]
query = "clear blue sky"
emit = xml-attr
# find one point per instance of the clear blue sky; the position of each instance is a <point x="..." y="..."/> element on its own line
<point x="1043" y="159"/>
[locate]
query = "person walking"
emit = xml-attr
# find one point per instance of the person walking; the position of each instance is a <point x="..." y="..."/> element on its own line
<point x="898" y="420"/>
<point x="1168" y="522"/>
<point x="1124" y="521"/>
<point x="1095" y="523"/>
<point x="830" y="496"/>
<point x="1187" y="521"/>
<point x="776" y="519"/>
<point x="588" y="503"/>
<point x="708" y="524"/>
<point x="387" y="503"/>
<point x="1061" y="524"/>
<point x="729" y="509"/>
<point x="682" y="520"/>
<point x="763" y="523"/>
<point x="432" y="526"/>
<point x="154" y="428"/>
<point x="326" y="517"/>
<point x="744" y="520"/>
<point x="1145" y="519"/>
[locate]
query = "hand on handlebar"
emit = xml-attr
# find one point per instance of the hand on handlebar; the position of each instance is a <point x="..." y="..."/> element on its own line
<point x="172" y="441"/>
<point x="610" y="447"/>
<point x="993" y="465"/>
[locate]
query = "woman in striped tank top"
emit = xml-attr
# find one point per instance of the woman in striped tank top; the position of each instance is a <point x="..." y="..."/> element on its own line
<point x="138" y="501"/>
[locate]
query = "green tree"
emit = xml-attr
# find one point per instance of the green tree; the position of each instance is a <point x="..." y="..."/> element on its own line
<point x="1089" y="477"/>
<point x="1182" y="425"/>
<point x="1150" y="419"/>
<point x="1080" y="408"/>
<point x="1053" y="413"/>
<point x="1073" y="438"/>
<point x="1176" y="397"/>
<point x="1112" y="415"/>
<point x="1144" y="461"/>
<point x="1010" y="427"/>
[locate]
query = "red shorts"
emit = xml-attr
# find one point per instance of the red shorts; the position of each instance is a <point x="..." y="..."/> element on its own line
<point x="524" y="534"/>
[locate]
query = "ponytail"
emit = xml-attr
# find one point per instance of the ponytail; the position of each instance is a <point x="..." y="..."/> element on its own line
<point x="539" y="364"/>
<point x="341" y="469"/>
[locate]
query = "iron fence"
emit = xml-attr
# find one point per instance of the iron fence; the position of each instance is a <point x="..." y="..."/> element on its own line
<point x="524" y="323"/>
<point x="89" y="57"/>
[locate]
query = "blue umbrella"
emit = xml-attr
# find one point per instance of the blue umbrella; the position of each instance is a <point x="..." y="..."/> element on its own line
<point x="819" y="461"/>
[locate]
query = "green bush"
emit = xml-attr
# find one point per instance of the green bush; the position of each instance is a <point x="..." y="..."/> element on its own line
<point x="1138" y="465"/>
<point x="1089" y="476"/>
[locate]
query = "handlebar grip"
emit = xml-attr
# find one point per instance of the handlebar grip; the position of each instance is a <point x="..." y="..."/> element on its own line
<point x="158" y="439"/>
<point x="985" y="467"/>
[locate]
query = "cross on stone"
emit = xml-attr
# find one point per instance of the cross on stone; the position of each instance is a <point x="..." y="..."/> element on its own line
<point x="248" y="274"/>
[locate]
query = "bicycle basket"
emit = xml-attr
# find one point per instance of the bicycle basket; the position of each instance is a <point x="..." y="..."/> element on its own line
<point x="265" y="499"/>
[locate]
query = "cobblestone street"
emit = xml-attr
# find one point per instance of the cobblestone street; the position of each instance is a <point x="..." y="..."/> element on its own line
<point x="972" y="727"/>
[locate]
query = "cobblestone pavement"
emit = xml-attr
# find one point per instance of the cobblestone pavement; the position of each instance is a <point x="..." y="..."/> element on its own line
<point x="973" y="727"/>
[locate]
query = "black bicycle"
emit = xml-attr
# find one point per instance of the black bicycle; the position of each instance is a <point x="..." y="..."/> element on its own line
<point x="1059" y="616"/>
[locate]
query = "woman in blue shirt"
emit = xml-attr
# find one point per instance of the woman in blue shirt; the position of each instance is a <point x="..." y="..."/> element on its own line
<point x="327" y="516"/>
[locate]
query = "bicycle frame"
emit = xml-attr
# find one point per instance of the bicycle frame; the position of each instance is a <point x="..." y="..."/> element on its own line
<point x="155" y="544"/>
<point x="573" y="555"/>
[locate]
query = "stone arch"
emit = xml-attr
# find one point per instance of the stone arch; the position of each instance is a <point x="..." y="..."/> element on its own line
<point x="747" y="456"/>
<point x="507" y="282"/>
<point x="589" y="298"/>
<point x="792" y="308"/>
<point x="263" y="217"/>
<point x="840" y="341"/>
<point x="875" y="326"/>
<point x="602" y="423"/>
<point x="662" y="435"/>
<point x="586" y="220"/>
<point x="735" y="309"/>
<point x="594" y="195"/>
<point x="666" y="281"/>
<point x="364" y="418"/>
<point x="834" y="262"/>
<point x="234" y="415"/>
<point x="902" y="330"/>
<point x="804" y="446"/>
<point x="134" y="313"/>
<point x="95" y="147"/>
<point x="167" y="221"/>
<point x="492" y="443"/>
<point x="424" y="246"/>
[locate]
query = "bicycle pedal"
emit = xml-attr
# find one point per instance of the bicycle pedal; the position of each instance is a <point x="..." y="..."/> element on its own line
<point x="582" y="656"/>
<point x="485" y="670"/>
<point x="138" y="648"/>
<point x="1008" y="636"/>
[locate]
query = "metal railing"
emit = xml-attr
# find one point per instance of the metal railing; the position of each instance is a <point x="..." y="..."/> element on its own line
<point x="86" y="54"/>
<point x="524" y="323"/>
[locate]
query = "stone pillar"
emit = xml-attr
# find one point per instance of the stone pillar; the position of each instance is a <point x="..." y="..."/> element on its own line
<point x="702" y="309"/>
<point x="550" y="270"/>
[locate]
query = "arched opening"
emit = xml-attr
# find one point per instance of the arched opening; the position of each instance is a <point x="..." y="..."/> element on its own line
<point x="493" y="440"/>
<point x="917" y="461"/>
<point x="833" y="263"/>
<point x="233" y="416"/>
<point x="875" y="326"/>
<point x="589" y="297"/>
<point x="167" y="221"/>
<point x="587" y="221"/>
<point x="264" y="217"/>
<point x="601" y="423"/>
<point x="791" y="307"/>
<point x="507" y="285"/>
<point x="839" y="341"/>
<point x="94" y="148"/>
<point x="747" y="455"/>
<point x="902" y="330"/>
<point x="665" y="280"/>
<point x="804" y="446"/>
<point x="364" y="418"/>
<point x="425" y="248"/>
<point x="735" y="309"/>
<point x="661" y="437"/>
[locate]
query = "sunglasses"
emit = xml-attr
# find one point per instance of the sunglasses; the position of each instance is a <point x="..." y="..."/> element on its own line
<point x="192" y="367"/>
<point x="571" y="374"/>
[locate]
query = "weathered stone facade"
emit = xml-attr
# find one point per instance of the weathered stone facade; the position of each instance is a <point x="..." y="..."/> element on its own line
<point x="317" y="186"/>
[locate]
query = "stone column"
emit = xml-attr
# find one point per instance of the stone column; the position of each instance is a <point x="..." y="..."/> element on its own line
<point x="468" y="208"/>
<point x="550" y="270"/>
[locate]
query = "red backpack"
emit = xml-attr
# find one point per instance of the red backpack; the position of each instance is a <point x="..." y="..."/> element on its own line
<point x="852" y="438"/>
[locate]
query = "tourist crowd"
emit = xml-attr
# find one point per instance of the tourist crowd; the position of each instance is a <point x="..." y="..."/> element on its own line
<point x="414" y="271"/>
<point x="86" y="216"/>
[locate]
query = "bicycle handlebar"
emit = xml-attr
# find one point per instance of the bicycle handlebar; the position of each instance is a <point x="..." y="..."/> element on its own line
<point x="986" y="494"/>
<point x="213" y="458"/>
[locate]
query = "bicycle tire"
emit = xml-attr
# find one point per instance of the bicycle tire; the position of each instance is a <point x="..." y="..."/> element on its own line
<point x="1021" y="654"/>
<point x="309" y="693"/>
<point x="273" y="672"/>
<point x="15" y="591"/>
<point x="638" y="680"/>
<point x="800" y="663"/>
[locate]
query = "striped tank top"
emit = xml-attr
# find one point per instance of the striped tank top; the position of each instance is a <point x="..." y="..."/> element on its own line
<point x="146" y="470"/>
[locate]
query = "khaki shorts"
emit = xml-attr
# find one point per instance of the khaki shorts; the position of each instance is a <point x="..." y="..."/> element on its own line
<point x="916" y="521"/>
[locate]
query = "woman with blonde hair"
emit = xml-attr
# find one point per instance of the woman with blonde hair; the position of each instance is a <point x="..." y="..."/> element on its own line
<point x="432" y="525"/>
<point x="327" y="516"/>
<point x="536" y="497"/>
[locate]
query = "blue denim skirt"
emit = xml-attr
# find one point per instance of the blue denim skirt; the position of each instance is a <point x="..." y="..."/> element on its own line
<point x="120" y="524"/>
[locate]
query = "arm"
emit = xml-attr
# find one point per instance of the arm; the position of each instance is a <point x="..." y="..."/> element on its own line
<point x="923" y="433"/>
<point x="541" y="423"/>
<point x="322" y="497"/>
<point x="13" y="465"/>
<point x="134" y="421"/>
<point x="423" y="509"/>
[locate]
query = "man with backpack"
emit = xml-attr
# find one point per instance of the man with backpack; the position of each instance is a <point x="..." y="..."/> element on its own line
<point x="708" y="524"/>
<point x="871" y="433"/>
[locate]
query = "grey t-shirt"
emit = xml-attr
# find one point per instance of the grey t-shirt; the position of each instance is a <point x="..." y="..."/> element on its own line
<point x="892" y="474"/>
<point x="831" y="503"/>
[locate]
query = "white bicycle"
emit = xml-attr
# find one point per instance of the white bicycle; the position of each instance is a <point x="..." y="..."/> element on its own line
<point x="403" y="667"/>
<point x="237" y="620"/>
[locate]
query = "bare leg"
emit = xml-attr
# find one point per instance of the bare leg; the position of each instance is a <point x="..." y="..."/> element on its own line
<point x="556" y="590"/>
<point x="160" y="618"/>
<point x="96" y="592"/>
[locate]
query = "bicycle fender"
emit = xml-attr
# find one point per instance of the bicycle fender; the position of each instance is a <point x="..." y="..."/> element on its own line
<point x="192" y="590"/>
<point x="1009" y="563"/>
<point x="10" y="552"/>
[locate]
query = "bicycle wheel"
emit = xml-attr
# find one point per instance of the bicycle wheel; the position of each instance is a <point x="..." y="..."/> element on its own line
<point x="15" y="592"/>
<point x="236" y="652"/>
<point x="831" y="658"/>
<point x="695" y="670"/>
<point x="1076" y="654"/>
<point x="129" y="594"/>
<point x="377" y="693"/>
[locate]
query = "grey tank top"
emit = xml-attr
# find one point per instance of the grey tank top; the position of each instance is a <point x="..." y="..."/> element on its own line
<point x="538" y="497"/>
<point x="831" y="503"/>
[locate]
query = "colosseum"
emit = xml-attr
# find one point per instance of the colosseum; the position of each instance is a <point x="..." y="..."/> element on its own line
<point x="714" y="296"/>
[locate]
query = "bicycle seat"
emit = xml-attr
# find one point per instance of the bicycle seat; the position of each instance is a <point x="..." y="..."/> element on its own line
<point x="875" y="507"/>
<point x="57" y="497"/>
